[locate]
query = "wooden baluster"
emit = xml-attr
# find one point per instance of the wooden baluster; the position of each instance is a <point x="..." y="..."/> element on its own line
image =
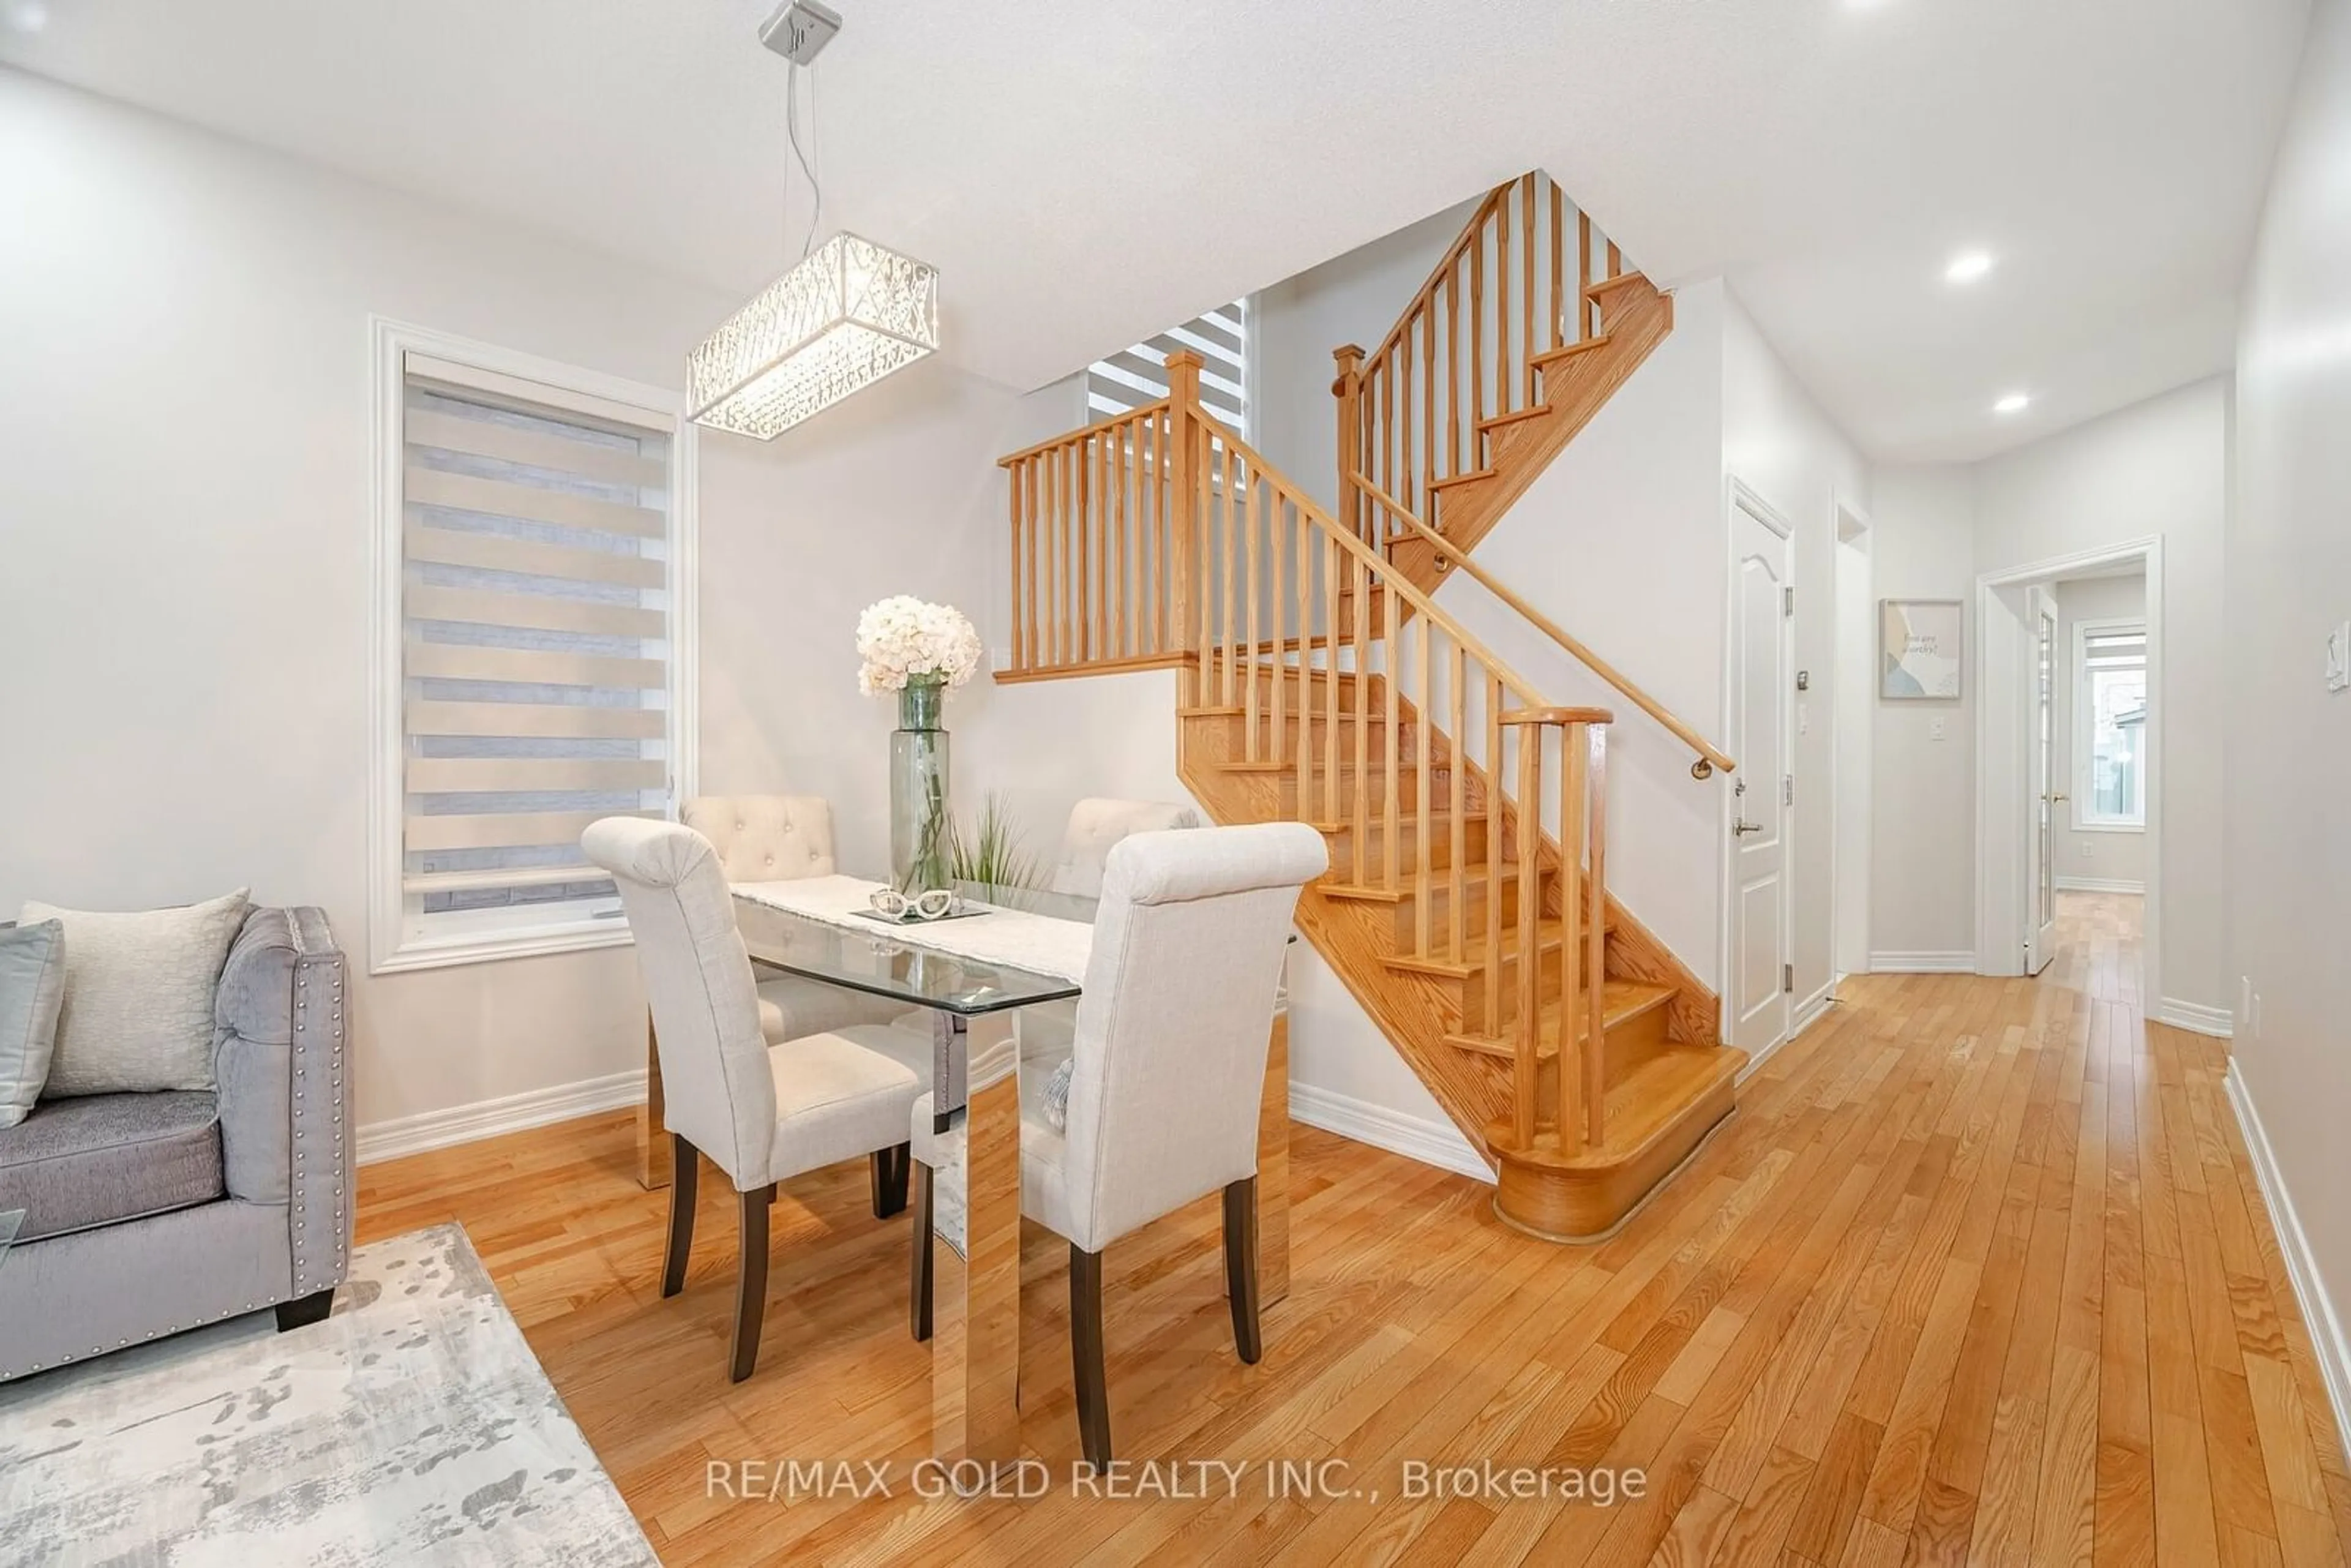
<point x="1082" y="452"/>
<point x="1583" y="276"/>
<point x="1048" y="466"/>
<point x="1389" y="459"/>
<point x="1530" y="986"/>
<point x="1527" y="327"/>
<point x="1409" y="471"/>
<point x="1205" y="454"/>
<point x="1576" y="997"/>
<point x="1332" y="565"/>
<point x="1494" y="776"/>
<point x="1305" y="609"/>
<point x="1150" y="575"/>
<point x="1558" y="269"/>
<point x="1252" y="545"/>
<point x="1503" y="377"/>
<point x="1596" y="937"/>
<point x="1423" y="887"/>
<point x="1428" y="396"/>
<point x="1360" y="607"/>
<point x="1276" y="554"/>
<point x="1393" y="677"/>
<point x="1453" y="371"/>
<point x="1232" y="581"/>
<point x="1476" y="344"/>
<point x="1125" y="451"/>
<point x="1457" y="688"/>
<point x="1615" y="260"/>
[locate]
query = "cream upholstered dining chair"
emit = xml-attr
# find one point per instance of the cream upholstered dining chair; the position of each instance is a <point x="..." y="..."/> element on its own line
<point x="1167" y="1072"/>
<point x="782" y="838"/>
<point x="1095" y="826"/>
<point x="761" y="1111"/>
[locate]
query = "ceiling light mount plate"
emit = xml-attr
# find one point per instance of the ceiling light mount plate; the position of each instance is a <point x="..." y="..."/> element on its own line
<point x="800" y="30"/>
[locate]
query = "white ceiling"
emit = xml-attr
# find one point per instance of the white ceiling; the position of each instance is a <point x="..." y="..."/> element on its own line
<point x="1085" y="172"/>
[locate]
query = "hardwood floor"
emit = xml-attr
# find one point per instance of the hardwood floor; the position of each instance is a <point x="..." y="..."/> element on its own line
<point x="1977" y="1273"/>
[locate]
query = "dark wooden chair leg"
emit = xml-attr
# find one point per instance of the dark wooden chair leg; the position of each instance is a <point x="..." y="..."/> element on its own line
<point x="1086" y="1354"/>
<point x="686" y="1168"/>
<point x="889" y="1173"/>
<point x="309" y="1309"/>
<point x="919" y="1284"/>
<point x="1240" y="1266"/>
<point x="751" y="1281"/>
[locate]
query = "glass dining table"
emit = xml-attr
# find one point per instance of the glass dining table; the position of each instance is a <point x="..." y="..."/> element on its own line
<point x="979" y="1013"/>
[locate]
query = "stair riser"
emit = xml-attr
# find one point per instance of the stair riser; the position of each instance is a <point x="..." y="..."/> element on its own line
<point x="1407" y="785"/>
<point x="1440" y="898"/>
<point x="1441" y="847"/>
<point x="1585" y="1205"/>
<point x="1472" y="993"/>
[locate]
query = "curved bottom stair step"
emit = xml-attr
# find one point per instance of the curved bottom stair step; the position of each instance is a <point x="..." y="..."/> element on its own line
<point x="1658" y="1115"/>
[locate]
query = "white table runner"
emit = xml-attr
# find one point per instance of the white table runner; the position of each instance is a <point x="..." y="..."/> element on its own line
<point x="1010" y="936"/>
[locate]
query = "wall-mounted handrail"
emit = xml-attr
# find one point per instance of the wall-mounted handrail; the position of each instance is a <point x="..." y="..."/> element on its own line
<point x="1710" y="757"/>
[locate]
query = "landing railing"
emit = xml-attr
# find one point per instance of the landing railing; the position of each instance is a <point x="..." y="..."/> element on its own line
<point x="1521" y="288"/>
<point x="1163" y="537"/>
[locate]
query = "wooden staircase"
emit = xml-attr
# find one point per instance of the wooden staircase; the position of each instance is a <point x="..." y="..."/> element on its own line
<point x="1524" y="329"/>
<point x="1467" y="905"/>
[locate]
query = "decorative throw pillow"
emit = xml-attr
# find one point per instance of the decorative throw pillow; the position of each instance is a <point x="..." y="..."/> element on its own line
<point x="32" y="984"/>
<point x="1056" y="1096"/>
<point x="137" y="1010"/>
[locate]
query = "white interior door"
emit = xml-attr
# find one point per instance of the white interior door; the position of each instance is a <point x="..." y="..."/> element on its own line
<point x="2041" y="785"/>
<point x="1761" y="652"/>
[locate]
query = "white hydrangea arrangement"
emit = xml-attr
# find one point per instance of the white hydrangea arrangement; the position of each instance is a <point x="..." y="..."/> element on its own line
<point x="901" y="640"/>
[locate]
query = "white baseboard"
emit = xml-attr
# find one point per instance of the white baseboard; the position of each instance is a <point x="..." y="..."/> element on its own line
<point x="2195" y="1018"/>
<point x="1961" y="961"/>
<point x="2317" y="1313"/>
<point x="2099" y="884"/>
<point x="488" y="1118"/>
<point x="1439" y="1144"/>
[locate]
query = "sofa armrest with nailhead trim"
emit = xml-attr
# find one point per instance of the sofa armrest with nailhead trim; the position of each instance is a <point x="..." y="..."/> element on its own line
<point x="276" y="1234"/>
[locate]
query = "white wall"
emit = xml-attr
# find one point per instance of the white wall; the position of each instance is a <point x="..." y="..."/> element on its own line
<point x="1922" y="859"/>
<point x="2157" y="468"/>
<point x="2286" y="737"/>
<point x="184" y="553"/>
<point x="1778" y="441"/>
<point x="2083" y="853"/>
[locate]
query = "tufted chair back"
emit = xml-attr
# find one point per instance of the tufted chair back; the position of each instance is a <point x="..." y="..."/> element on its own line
<point x="765" y="838"/>
<point x="1096" y="825"/>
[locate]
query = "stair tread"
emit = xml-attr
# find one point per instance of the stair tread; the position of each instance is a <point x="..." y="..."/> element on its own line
<point x="1569" y="350"/>
<point x="1532" y="410"/>
<point x="1644" y="1104"/>
<point x="1622" y="1001"/>
<point x="1466" y="477"/>
<point x="1440" y="877"/>
<point x="1475" y="951"/>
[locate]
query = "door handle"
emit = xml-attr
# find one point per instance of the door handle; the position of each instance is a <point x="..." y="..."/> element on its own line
<point x="1744" y="827"/>
<point x="2052" y="800"/>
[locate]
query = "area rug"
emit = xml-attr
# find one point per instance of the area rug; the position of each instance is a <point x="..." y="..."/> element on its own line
<point x="413" y="1426"/>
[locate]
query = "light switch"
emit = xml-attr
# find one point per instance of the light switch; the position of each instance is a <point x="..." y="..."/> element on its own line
<point x="2339" y="657"/>
<point x="1935" y="729"/>
<point x="1803" y="718"/>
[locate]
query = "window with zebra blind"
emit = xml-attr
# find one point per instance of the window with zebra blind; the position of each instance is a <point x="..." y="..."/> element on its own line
<point x="534" y="571"/>
<point x="1128" y="380"/>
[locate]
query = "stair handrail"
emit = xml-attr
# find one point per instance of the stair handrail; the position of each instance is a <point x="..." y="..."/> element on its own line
<point x="1710" y="757"/>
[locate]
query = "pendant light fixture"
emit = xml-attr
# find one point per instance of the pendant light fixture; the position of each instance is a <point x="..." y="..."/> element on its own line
<point x="849" y="313"/>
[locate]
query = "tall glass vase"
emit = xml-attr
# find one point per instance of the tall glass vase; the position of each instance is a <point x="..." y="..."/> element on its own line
<point x="918" y="789"/>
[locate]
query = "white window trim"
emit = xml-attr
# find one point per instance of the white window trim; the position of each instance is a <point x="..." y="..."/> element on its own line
<point x="2085" y="723"/>
<point x="388" y="951"/>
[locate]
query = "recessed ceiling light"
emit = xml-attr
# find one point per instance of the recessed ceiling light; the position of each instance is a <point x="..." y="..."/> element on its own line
<point x="1968" y="266"/>
<point x="2015" y="402"/>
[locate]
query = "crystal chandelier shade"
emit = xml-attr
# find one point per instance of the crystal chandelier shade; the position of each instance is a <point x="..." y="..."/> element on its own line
<point x="848" y="315"/>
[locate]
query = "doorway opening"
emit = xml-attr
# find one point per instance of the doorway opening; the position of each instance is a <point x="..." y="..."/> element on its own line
<point x="2069" y="661"/>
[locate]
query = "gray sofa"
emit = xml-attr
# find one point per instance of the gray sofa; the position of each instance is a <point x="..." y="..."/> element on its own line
<point x="147" y="1214"/>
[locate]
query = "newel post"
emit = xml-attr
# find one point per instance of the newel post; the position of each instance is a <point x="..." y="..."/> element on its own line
<point x="1348" y="389"/>
<point x="1186" y="455"/>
